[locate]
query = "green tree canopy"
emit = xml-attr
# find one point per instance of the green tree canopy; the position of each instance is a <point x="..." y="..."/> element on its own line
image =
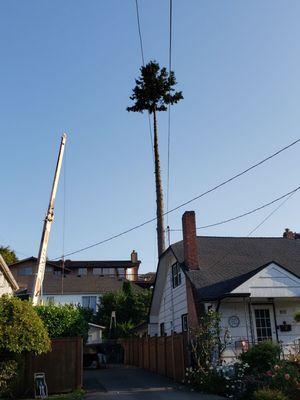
<point x="154" y="89"/>
<point x="8" y="254"/>
<point x="64" y="320"/>
<point x="131" y="308"/>
<point x="21" y="329"/>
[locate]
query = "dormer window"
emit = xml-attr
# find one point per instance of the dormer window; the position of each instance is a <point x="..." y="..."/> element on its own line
<point x="176" y="275"/>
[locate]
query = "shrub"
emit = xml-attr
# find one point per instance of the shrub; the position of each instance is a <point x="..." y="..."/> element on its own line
<point x="8" y="372"/>
<point x="269" y="394"/>
<point x="284" y="376"/>
<point x="21" y="329"/>
<point x="64" y="320"/>
<point x="297" y="316"/>
<point x="262" y="357"/>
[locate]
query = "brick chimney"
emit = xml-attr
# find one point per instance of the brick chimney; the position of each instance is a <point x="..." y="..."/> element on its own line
<point x="134" y="256"/>
<point x="288" y="234"/>
<point x="190" y="248"/>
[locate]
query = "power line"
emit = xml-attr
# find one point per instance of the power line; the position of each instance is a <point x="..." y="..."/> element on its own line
<point x="272" y="212"/>
<point x="260" y="224"/>
<point x="185" y="203"/>
<point x="225" y="221"/>
<point x="169" y="108"/>
<point x="143" y="63"/>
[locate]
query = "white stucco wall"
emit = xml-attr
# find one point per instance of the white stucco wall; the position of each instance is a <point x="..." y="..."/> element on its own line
<point x="5" y="287"/>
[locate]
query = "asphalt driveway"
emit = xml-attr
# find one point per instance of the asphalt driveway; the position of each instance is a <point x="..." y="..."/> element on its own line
<point x="130" y="383"/>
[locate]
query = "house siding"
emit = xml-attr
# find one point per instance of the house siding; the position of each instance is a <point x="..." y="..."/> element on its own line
<point x="173" y="304"/>
<point x="272" y="281"/>
<point x="5" y="287"/>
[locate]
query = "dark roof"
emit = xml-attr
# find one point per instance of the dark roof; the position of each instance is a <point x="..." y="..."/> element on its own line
<point x="57" y="264"/>
<point x="227" y="262"/>
<point x="98" y="264"/>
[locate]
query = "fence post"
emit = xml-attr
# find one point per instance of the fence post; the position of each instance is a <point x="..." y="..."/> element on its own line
<point x="173" y="356"/>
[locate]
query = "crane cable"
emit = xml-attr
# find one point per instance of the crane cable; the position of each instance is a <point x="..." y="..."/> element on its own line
<point x="187" y="202"/>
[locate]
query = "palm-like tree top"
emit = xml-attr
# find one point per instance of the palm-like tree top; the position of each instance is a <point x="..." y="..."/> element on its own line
<point x="154" y="89"/>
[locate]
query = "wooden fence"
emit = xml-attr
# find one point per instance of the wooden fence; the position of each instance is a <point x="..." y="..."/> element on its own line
<point x="62" y="366"/>
<point x="165" y="355"/>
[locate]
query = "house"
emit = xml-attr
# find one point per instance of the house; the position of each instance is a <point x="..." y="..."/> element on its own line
<point x="76" y="282"/>
<point x="8" y="284"/>
<point x="254" y="283"/>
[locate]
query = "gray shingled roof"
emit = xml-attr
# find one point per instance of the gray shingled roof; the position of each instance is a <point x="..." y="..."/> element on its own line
<point x="227" y="262"/>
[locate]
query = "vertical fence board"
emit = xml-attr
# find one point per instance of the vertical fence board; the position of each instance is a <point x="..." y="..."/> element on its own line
<point x="62" y="366"/>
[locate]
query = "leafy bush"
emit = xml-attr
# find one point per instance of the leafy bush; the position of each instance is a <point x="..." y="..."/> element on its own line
<point x="297" y="316"/>
<point x="21" y="329"/>
<point x="205" y="341"/>
<point x="131" y="307"/>
<point x="262" y="357"/>
<point x="284" y="376"/>
<point x="8" y="372"/>
<point x="64" y="320"/>
<point x="269" y="394"/>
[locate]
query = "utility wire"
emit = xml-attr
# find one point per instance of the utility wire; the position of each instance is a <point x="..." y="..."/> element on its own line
<point x="185" y="203"/>
<point x="225" y="221"/>
<point x="272" y="212"/>
<point x="169" y="108"/>
<point x="143" y="63"/>
<point x="261" y="223"/>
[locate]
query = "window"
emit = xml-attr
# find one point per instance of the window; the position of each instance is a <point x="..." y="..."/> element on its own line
<point x="176" y="275"/>
<point x="50" y="300"/>
<point x="121" y="272"/>
<point x="82" y="271"/>
<point x="25" y="270"/>
<point x="184" y="323"/>
<point x="97" y="271"/>
<point x="263" y="324"/>
<point x="48" y="269"/>
<point x="162" y="329"/>
<point x="90" y="302"/>
<point x="57" y="272"/>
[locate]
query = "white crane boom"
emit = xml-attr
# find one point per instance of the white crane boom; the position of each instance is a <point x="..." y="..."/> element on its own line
<point x="42" y="257"/>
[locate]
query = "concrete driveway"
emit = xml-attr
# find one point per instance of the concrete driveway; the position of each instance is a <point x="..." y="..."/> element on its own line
<point x="130" y="383"/>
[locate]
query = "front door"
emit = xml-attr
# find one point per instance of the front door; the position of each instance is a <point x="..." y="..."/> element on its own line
<point x="263" y="321"/>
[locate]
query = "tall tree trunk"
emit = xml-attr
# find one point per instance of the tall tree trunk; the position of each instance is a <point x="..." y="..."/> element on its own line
<point x="159" y="194"/>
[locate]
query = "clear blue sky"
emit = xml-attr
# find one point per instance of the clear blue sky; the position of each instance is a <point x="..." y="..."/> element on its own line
<point x="70" y="65"/>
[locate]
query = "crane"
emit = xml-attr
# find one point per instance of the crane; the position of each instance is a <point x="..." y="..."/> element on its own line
<point x="42" y="256"/>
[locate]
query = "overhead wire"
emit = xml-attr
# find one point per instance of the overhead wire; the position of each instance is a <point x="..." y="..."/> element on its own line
<point x="187" y="202"/>
<point x="291" y="194"/>
<point x="143" y="63"/>
<point x="169" y="107"/>
<point x="225" y="221"/>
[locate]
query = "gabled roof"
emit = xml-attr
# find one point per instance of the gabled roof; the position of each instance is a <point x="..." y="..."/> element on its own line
<point x="7" y="274"/>
<point x="227" y="262"/>
<point x="56" y="264"/>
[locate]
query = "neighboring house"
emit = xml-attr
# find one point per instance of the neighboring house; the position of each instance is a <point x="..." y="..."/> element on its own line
<point x="8" y="284"/>
<point x="254" y="283"/>
<point x="76" y="282"/>
<point x="95" y="334"/>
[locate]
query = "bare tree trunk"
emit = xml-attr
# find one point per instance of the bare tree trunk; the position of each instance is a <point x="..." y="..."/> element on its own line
<point x="159" y="194"/>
